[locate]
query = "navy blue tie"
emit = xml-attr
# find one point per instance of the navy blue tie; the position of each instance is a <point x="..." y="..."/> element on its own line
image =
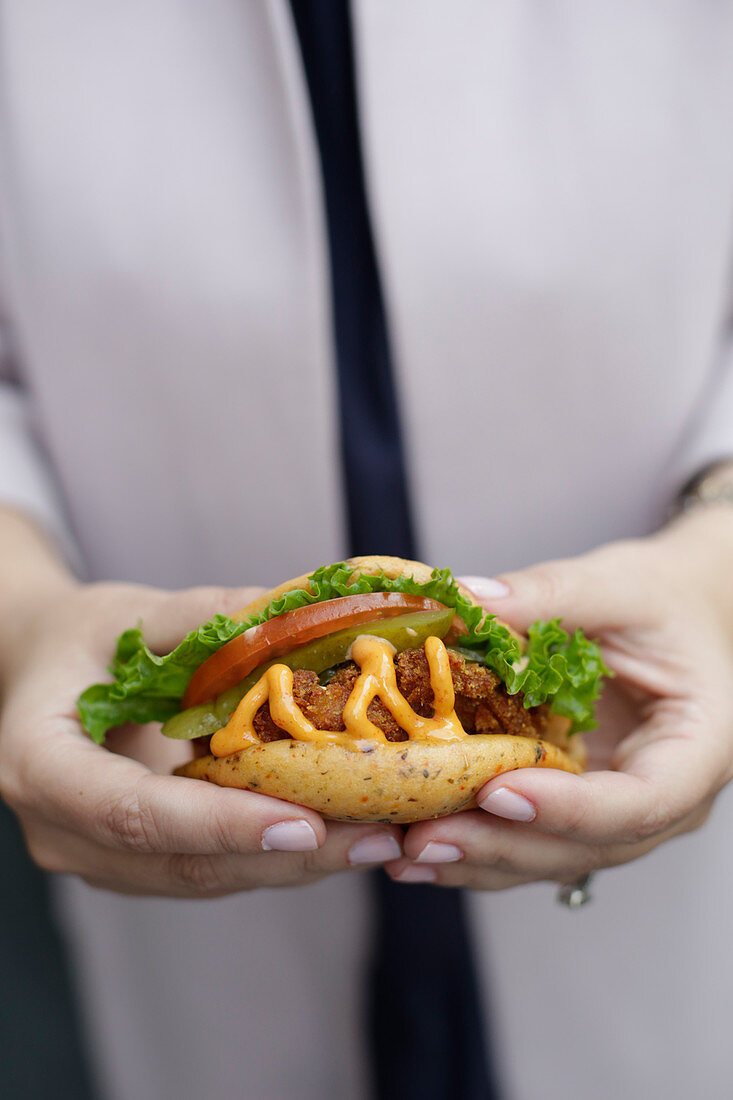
<point x="423" y="1009"/>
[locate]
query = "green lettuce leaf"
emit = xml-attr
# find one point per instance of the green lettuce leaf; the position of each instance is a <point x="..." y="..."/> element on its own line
<point x="556" y="668"/>
<point x="148" y="688"/>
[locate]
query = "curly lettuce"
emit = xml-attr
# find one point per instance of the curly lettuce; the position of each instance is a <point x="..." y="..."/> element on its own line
<point x="556" y="668"/>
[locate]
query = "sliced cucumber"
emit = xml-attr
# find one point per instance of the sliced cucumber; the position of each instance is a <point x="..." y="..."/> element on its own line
<point x="403" y="632"/>
<point x="473" y="655"/>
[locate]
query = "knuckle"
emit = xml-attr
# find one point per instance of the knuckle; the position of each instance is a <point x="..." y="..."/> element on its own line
<point x="593" y="858"/>
<point x="576" y="820"/>
<point x="218" y="596"/>
<point x="504" y="864"/>
<point x="189" y="605"/>
<point x="226" y="600"/>
<point x="129" y="823"/>
<point x="596" y="858"/>
<point x="656" y="820"/>
<point x="224" y="839"/>
<point x="549" y="586"/>
<point x="231" y="600"/>
<point x="194" y="874"/>
<point x="498" y="854"/>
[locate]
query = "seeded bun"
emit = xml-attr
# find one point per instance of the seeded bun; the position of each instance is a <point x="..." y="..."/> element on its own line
<point x="367" y="566"/>
<point x="401" y="781"/>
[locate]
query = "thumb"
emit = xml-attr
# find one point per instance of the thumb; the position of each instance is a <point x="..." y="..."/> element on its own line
<point x="189" y="608"/>
<point x="598" y="591"/>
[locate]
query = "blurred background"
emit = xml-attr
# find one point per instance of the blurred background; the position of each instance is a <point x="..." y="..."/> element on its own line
<point x="503" y="233"/>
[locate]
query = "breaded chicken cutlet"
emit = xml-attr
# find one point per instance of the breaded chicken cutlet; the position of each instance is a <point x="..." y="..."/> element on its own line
<point x="482" y="702"/>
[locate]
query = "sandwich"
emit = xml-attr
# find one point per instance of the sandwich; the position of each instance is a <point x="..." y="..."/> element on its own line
<point x="374" y="689"/>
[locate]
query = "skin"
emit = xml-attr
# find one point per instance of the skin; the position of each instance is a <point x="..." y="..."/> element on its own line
<point x="662" y="608"/>
<point x="119" y="819"/>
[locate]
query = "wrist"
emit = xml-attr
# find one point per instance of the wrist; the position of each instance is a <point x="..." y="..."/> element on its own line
<point x="712" y="485"/>
<point x="32" y="574"/>
<point x="707" y="499"/>
<point x="701" y="539"/>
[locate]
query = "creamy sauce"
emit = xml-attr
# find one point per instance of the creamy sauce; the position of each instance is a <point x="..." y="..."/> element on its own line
<point x="377" y="679"/>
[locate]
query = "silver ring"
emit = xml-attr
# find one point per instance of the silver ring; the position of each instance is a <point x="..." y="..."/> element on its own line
<point x="575" y="894"/>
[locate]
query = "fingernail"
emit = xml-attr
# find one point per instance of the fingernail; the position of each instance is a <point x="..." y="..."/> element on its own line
<point x="416" y="874"/>
<point x="374" y="849"/>
<point x="486" y="588"/>
<point x="505" y="803"/>
<point x="289" y="836"/>
<point x="437" y="852"/>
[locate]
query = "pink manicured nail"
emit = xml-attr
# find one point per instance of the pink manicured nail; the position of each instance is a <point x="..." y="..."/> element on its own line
<point x="289" y="836"/>
<point x="416" y="874"/>
<point x="486" y="588"/>
<point x="374" y="849"/>
<point x="437" y="852"/>
<point x="505" y="803"/>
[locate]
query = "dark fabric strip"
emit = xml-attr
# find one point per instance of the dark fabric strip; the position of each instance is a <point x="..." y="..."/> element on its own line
<point x="423" y="1006"/>
<point x="378" y="508"/>
<point x="41" y="1055"/>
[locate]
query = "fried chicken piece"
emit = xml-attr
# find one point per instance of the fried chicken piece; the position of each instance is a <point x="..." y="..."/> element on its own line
<point x="482" y="702"/>
<point x="323" y="705"/>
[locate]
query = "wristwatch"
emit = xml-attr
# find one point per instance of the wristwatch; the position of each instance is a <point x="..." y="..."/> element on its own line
<point x="712" y="485"/>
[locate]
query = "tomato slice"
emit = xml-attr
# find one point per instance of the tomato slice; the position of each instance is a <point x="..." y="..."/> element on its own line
<point x="237" y="658"/>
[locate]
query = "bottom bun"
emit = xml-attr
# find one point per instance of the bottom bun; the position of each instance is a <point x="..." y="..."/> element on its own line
<point x="401" y="781"/>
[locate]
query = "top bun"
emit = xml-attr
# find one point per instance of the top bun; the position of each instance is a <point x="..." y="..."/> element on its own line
<point x="366" y="565"/>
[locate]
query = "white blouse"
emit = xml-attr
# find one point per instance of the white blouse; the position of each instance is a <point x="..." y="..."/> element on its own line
<point x="551" y="190"/>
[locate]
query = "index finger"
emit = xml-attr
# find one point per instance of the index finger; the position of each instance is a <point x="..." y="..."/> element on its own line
<point x="119" y="803"/>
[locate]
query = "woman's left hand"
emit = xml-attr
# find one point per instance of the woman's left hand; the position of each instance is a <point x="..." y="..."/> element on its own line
<point x="662" y="609"/>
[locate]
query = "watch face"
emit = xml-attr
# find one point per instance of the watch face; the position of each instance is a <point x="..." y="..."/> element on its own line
<point x="713" y="485"/>
<point x="716" y="490"/>
<point x="711" y="491"/>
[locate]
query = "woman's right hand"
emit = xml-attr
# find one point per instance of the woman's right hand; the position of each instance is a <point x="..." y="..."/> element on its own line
<point x="118" y="818"/>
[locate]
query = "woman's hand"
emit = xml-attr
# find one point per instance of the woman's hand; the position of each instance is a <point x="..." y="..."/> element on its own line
<point x="662" y="609"/>
<point x="119" y="819"/>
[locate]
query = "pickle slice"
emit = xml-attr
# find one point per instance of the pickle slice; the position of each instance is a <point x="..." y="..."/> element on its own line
<point x="404" y="632"/>
<point x="473" y="655"/>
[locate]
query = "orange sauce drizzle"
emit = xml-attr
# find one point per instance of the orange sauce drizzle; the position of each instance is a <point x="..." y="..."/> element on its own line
<point x="375" y="658"/>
